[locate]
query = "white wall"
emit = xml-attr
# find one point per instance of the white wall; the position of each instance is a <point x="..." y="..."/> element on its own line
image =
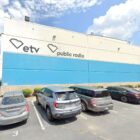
<point x="92" y="47"/>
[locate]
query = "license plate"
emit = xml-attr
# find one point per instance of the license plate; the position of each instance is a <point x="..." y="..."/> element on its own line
<point x="13" y="113"/>
<point x="70" y="105"/>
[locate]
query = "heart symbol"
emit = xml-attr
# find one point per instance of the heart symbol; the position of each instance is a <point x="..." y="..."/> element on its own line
<point x="52" y="47"/>
<point x="16" y="43"/>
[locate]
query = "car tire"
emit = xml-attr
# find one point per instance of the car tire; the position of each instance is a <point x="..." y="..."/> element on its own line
<point x="84" y="107"/>
<point x="124" y="99"/>
<point x="37" y="101"/>
<point x="49" y="114"/>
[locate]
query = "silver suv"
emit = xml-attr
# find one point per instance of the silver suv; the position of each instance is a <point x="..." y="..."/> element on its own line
<point x="59" y="102"/>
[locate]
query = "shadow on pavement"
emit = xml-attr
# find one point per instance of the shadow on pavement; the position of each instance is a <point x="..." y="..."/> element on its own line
<point x="43" y="115"/>
<point x="97" y="113"/>
<point x="12" y="126"/>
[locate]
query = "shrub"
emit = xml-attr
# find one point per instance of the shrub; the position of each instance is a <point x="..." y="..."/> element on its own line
<point x="27" y="92"/>
<point x="130" y="86"/>
<point x="137" y="86"/>
<point x="36" y="90"/>
<point x="100" y="86"/>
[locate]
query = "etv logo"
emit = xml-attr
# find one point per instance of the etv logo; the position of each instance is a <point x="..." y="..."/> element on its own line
<point x="19" y="44"/>
<point x="52" y="48"/>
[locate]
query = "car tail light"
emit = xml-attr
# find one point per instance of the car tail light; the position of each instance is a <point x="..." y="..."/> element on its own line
<point x="58" y="105"/>
<point x="93" y="101"/>
<point x="55" y="104"/>
<point x="27" y="107"/>
<point x="137" y="95"/>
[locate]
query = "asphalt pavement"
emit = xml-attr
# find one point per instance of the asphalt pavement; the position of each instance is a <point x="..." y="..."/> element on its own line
<point x="121" y="123"/>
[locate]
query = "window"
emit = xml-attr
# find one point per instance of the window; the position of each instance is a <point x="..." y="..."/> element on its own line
<point x="42" y="90"/>
<point x="90" y="93"/>
<point x="113" y="89"/>
<point x="78" y="91"/>
<point x="85" y="92"/>
<point x="12" y="100"/>
<point x="48" y="93"/>
<point x="101" y="94"/>
<point x="110" y="88"/>
<point x="68" y="95"/>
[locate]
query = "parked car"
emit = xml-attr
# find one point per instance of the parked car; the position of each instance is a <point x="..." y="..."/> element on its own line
<point x="94" y="99"/>
<point x="59" y="102"/>
<point x="13" y="108"/>
<point x="125" y="94"/>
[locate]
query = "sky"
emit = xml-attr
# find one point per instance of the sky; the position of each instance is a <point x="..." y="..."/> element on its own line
<point x="113" y="18"/>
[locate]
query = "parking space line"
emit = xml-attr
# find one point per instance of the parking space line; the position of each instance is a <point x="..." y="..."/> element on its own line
<point x="15" y="133"/>
<point x="114" y="111"/>
<point x="83" y="117"/>
<point x="38" y="117"/>
<point x="103" y="138"/>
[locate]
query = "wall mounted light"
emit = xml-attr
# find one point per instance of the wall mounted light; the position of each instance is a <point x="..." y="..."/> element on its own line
<point x="118" y="49"/>
<point x="54" y="38"/>
<point x="27" y="18"/>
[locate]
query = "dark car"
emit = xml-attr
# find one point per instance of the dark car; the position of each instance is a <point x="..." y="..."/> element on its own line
<point x="94" y="99"/>
<point x="125" y="94"/>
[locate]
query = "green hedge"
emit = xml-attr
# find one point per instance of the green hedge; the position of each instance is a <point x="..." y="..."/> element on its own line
<point x="27" y="92"/>
<point x="137" y="86"/>
<point x="36" y="90"/>
<point x="97" y="86"/>
<point x="130" y="86"/>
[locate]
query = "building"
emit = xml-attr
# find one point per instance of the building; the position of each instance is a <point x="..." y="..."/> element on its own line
<point x="34" y="54"/>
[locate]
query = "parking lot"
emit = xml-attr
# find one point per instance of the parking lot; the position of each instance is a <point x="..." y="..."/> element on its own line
<point x="120" y="123"/>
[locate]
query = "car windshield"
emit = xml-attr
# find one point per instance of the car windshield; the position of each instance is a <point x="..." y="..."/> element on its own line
<point x="66" y="95"/>
<point x="12" y="100"/>
<point x="99" y="94"/>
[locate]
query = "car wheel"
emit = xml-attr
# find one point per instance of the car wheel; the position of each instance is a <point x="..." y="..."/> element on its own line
<point x="124" y="99"/>
<point x="84" y="107"/>
<point x="49" y="114"/>
<point x="37" y="100"/>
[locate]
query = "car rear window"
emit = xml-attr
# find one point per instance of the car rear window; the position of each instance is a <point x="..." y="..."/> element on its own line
<point x="12" y="100"/>
<point x="99" y="94"/>
<point x="69" y="95"/>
